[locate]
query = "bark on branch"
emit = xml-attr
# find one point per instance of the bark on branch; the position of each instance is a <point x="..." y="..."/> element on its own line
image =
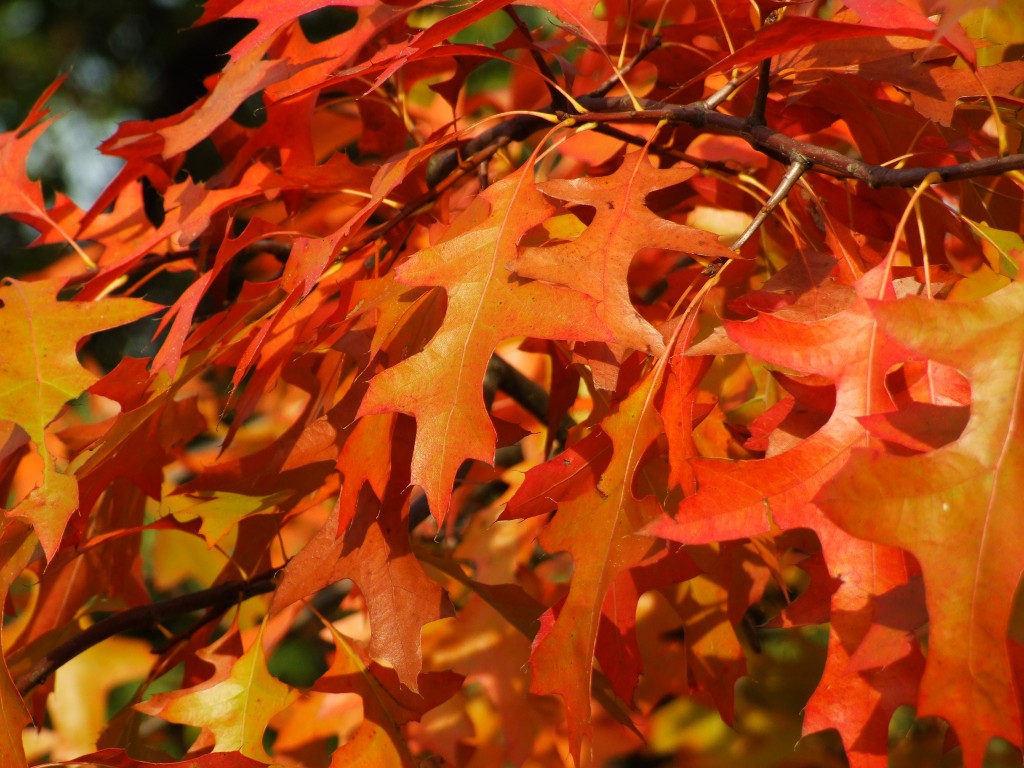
<point x="144" y="617"/>
<point x="785" y="148"/>
<point x="779" y="146"/>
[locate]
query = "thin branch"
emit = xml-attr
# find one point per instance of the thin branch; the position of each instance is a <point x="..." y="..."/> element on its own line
<point x="796" y="169"/>
<point x="759" y="110"/>
<point x="482" y="147"/>
<point x="719" y="97"/>
<point x="663" y="151"/>
<point x="787" y="149"/>
<point x="517" y="128"/>
<point x="144" y="617"/>
<point x="793" y="173"/>
<point x="557" y="97"/>
<point x="645" y="50"/>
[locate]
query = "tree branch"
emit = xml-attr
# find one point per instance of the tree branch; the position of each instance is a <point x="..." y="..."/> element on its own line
<point x="517" y="128"/>
<point x="719" y="97"/>
<point x="645" y="50"/>
<point x="759" y="111"/>
<point x="785" y="148"/>
<point x="557" y="97"/>
<point x="144" y="617"/>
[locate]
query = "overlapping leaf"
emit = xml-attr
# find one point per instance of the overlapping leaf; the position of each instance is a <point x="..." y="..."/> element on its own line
<point x="597" y="262"/>
<point x="957" y="505"/>
<point x="39" y="373"/>
<point x="442" y="385"/>
<point x="235" y="705"/>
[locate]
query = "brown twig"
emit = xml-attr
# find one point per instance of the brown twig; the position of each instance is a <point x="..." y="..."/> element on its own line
<point x="793" y="173"/>
<point x="716" y="99"/>
<point x="517" y="128"/>
<point x="144" y="617"/>
<point x="663" y="151"/>
<point x="796" y="169"/>
<point x="785" y="148"/>
<point x="557" y="97"/>
<point x="758" y="113"/>
<point x="645" y="50"/>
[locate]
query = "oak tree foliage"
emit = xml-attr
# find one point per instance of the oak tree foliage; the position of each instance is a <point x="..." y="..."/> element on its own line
<point x="545" y="383"/>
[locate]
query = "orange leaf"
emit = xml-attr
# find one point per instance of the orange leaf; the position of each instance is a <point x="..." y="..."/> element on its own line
<point x="600" y="531"/>
<point x="597" y="261"/>
<point x="958" y="510"/>
<point x="442" y="386"/>
<point x="386" y="705"/>
<point x="39" y="372"/>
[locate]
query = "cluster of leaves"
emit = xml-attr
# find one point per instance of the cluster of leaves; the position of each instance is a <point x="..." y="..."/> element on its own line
<point x="539" y="373"/>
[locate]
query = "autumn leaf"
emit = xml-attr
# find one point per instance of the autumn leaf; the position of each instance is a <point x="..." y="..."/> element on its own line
<point x="442" y="385"/>
<point x="601" y="534"/>
<point x="19" y="197"/>
<point x="16" y="546"/>
<point x="828" y="331"/>
<point x="597" y="262"/>
<point x="386" y="705"/>
<point x="39" y="373"/>
<point x="366" y="539"/>
<point x="236" y="708"/>
<point x="958" y="503"/>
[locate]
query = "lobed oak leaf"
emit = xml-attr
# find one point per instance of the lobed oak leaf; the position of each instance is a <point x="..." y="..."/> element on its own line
<point x="736" y="499"/>
<point x="39" y="373"/>
<point x="442" y="386"/>
<point x="957" y="510"/>
<point x="21" y="198"/>
<point x="235" y="708"/>
<point x="39" y="370"/>
<point x="366" y="539"/>
<point x="387" y="705"/>
<point x="874" y="663"/>
<point x="597" y="262"/>
<point x="830" y="332"/>
<point x="600" y="531"/>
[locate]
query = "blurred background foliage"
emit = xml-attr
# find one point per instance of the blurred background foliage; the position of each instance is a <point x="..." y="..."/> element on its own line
<point x="124" y="60"/>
